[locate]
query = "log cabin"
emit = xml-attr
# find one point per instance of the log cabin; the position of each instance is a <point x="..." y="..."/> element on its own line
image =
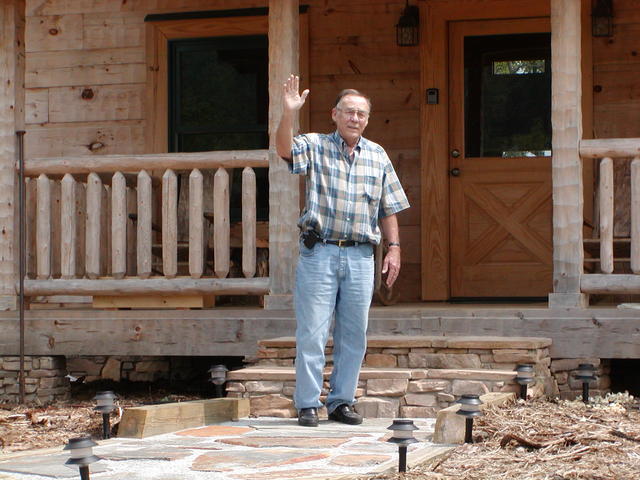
<point x="157" y="219"/>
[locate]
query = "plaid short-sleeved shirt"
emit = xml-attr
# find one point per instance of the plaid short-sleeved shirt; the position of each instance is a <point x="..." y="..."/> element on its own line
<point x="345" y="198"/>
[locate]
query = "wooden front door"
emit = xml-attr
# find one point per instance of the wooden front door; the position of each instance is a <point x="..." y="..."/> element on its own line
<point x="500" y="158"/>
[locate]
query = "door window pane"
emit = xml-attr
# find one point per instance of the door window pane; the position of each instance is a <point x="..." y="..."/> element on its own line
<point x="507" y="82"/>
<point x="219" y="100"/>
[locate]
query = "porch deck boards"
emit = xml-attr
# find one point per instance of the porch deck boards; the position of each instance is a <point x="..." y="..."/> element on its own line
<point x="602" y="332"/>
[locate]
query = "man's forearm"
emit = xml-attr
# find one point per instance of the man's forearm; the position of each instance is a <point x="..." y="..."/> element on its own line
<point x="390" y="229"/>
<point x="284" y="135"/>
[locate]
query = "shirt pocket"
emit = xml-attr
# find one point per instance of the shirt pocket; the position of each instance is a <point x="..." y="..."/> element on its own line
<point x="371" y="189"/>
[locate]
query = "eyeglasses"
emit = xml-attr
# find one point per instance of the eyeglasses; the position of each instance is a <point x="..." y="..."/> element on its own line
<point x="349" y="112"/>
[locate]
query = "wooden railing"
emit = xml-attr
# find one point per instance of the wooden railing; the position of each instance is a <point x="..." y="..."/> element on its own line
<point x="607" y="281"/>
<point x="128" y="201"/>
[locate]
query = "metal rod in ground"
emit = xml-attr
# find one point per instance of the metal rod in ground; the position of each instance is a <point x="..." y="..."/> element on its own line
<point x="402" y="458"/>
<point x="468" y="430"/>
<point x="523" y="391"/>
<point x="218" y="391"/>
<point x="21" y="261"/>
<point x="585" y="392"/>
<point x="106" y="428"/>
<point x="84" y="472"/>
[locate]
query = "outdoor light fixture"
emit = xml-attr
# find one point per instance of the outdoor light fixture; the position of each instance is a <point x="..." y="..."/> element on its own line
<point x="218" y="377"/>
<point x="105" y="405"/>
<point x="408" y="26"/>
<point x="470" y="408"/>
<point x="81" y="454"/>
<point x="524" y="376"/>
<point x="602" y="18"/>
<point x="403" y="436"/>
<point x="587" y="373"/>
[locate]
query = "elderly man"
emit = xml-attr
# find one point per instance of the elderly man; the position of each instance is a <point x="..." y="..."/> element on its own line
<point x="350" y="186"/>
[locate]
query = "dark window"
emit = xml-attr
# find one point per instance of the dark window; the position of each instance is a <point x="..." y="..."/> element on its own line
<point x="219" y="100"/>
<point x="507" y="95"/>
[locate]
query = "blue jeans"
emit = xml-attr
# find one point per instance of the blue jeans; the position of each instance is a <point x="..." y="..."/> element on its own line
<point x="331" y="280"/>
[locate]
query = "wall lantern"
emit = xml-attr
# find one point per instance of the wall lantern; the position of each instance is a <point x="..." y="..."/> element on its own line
<point x="218" y="377"/>
<point x="587" y="373"/>
<point x="602" y="18"/>
<point x="403" y="436"/>
<point x="105" y="405"/>
<point x="81" y="454"/>
<point x="524" y="376"/>
<point x="408" y="26"/>
<point x="470" y="408"/>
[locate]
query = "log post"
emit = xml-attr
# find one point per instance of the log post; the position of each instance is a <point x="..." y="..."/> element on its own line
<point x="221" y="226"/>
<point x="93" y="226"/>
<point x="196" y="224"/>
<point x="566" y="120"/>
<point x="635" y="215"/>
<point x="144" y="230"/>
<point x="606" y="215"/>
<point x="68" y="244"/>
<point x="11" y="120"/>
<point x="170" y="224"/>
<point x="283" y="187"/>
<point x="118" y="225"/>
<point x="248" y="222"/>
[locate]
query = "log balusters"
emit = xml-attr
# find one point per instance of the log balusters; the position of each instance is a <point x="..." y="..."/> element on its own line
<point x="111" y="217"/>
<point x="610" y="281"/>
<point x="196" y="224"/>
<point x="635" y="215"/>
<point x="118" y="225"/>
<point x="606" y="215"/>
<point x="221" y="226"/>
<point x="170" y="224"/>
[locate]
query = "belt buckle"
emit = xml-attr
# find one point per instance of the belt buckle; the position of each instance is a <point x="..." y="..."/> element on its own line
<point x="341" y="243"/>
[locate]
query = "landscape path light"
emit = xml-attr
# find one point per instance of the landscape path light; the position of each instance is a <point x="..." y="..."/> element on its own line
<point x="403" y="436"/>
<point x="218" y="377"/>
<point x="469" y="408"/>
<point x="524" y="376"/>
<point x="586" y="373"/>
<point x="105" y="405"/>
<point x="81" y="454"/>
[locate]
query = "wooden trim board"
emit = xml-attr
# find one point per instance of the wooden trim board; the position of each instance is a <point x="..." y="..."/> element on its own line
<point x="142" y="422"/>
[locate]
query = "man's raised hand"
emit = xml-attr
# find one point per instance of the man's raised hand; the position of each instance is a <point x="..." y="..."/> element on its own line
<point x="292" y="99"/>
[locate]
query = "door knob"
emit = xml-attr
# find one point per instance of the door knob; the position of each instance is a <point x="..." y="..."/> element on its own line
<point x="455" y="172"/>
<point x="455" y="153"/>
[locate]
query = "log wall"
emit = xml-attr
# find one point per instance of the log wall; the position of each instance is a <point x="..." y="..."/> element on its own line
<point x="616" y="98"/>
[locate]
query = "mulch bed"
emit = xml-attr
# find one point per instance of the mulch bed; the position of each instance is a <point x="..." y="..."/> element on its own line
<point x="29" y="427"/>
<point x="561" y="440"/>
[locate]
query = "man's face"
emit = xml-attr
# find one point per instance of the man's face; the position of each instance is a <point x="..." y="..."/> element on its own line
<point x="351" y="117"/>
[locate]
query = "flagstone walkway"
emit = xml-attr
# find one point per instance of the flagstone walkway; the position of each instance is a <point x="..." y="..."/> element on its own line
<point x="249" y="449"/>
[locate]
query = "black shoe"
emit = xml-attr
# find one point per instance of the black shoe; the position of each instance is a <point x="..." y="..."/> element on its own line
<point x="346" y="414"/>
<point x="308" y="417"/>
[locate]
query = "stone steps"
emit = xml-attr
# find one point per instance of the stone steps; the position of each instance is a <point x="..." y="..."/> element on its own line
<point x="402" y="376"/>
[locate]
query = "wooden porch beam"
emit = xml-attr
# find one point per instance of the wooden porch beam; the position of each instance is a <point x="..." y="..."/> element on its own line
<point x="283" y="186"/>
<point x="603" y="283"/>
<point x="155" y="161"/>
<point x="610" y="147"/>
<point x="566" y="119"/>
<point x="11" y="120"/>
<point x="139" y="286"/>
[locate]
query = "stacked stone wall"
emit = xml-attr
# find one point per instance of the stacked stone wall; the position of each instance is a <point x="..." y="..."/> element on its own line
<point x="569" y="387"/>
<point x="44" y="378"/>
<point x="118" y="368"/>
